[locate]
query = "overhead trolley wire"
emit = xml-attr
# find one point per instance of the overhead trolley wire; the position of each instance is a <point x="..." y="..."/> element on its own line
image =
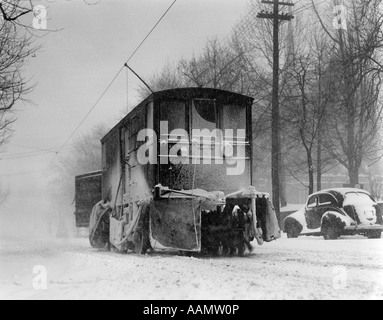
<point x="150" y="32"/>
<point x="111" y="83"/>
<point x="32" y="154"/>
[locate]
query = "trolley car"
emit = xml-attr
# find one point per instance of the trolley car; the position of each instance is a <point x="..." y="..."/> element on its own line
<point x="87" y="193"/>
<point x="177" y="174"/>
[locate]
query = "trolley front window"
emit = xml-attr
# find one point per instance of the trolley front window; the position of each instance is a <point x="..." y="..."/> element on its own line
<point x="204" y="115"/>
<point x="174" y="113"/>
<point x="233" y="117"/>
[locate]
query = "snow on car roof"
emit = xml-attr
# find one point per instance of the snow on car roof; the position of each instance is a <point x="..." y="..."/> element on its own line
<point x="342" y="191"/>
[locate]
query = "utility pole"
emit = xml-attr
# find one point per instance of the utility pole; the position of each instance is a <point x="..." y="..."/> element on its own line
<point x="276" y="17"/>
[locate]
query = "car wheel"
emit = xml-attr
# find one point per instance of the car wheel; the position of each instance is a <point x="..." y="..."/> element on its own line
<point x="185" y="253"/>
<point x="292" y="230"/>
<point x="291" y="234"/>
<point x="330" y="232"/>
<point x="376" y="234"/>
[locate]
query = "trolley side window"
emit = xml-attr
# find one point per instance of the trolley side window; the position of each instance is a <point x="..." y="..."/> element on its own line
<point x="103" y="160"/>
<point x="136" y="123"/>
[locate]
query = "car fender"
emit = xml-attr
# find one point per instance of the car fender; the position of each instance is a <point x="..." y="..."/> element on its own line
<point x="334" y="216"/>
<point x="298" y="217"/>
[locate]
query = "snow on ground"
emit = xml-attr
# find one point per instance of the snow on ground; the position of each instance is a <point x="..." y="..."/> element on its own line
<point x="304" y="268"/>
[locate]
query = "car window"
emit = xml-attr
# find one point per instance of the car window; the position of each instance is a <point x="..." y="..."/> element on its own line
<point x="326" y="199"/>
<point x="312" y="203"/>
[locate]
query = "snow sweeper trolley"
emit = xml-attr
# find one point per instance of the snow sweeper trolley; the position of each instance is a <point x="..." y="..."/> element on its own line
<point x="176" y="175"/>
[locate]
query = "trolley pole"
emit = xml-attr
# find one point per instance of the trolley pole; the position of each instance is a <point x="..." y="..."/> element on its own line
<point x="275" y="118"/>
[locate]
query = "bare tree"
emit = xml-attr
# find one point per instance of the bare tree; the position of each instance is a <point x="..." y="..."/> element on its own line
<point x="217" y="67"/>
<point x="16" y="46"/>
<point x="167" y="78"/>
<point x="307" y="100"/>
<point x="84" y="157"/>
<point x="376" y="186"/>
<point x="13" y="10"/>
<point x="214" y="68"/>
<point x="253" y="38"/>
<point x="86" y="153"/>
<point x="353" y="134"/>
<point x="4" y="193"/>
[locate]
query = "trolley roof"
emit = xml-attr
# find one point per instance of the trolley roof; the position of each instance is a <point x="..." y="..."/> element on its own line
<point x="186" y="94"/>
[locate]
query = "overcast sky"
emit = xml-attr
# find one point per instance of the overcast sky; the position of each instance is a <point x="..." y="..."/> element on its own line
<point x="77" y="63"/>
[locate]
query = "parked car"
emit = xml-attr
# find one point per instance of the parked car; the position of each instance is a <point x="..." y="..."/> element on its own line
<point x="335" y="212"/>
<point x="380" y="205"/>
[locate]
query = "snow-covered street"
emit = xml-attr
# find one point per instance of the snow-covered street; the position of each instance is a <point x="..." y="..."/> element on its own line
<point x="304" y="268"/>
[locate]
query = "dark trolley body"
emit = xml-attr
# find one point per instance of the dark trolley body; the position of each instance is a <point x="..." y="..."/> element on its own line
<point x="177" y="174"/>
